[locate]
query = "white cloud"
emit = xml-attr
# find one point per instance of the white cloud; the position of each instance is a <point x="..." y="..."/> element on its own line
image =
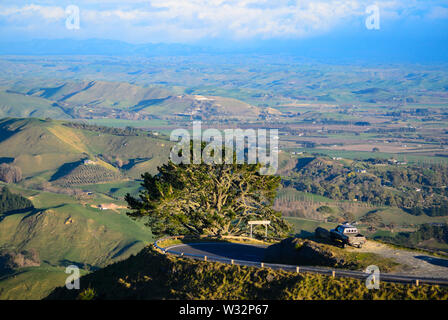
<point x="249" y="18"/>
<point x="46" y="12"/>
<point x="183" y="20"/>
<point x="438" y="12"/>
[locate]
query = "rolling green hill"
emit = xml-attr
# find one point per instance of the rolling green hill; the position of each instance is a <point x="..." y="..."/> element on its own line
<point x="32" y="283"/>
<point x="105" y="94"/>
<point x="65" y="230"/>
<point x="21" y="105"/>
<point x="64" y="168"/>
<point x="74" y="233"/>
<point x="207" y="107"/>
<point x="105" y="99"/>
<point x="66" y="223"/>
<point x="44" y="147"/>
<point x="95" y="93"/>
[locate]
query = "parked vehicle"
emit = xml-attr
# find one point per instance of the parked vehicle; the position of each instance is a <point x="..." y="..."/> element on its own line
<point x="347" y="234"/>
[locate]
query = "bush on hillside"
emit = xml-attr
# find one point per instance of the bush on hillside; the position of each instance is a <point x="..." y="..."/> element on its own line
<point x="10" y="173"/>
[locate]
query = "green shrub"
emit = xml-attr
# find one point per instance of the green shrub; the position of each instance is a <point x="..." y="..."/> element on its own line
<point x="325" y="209"/>
<point x="87" y="294"/>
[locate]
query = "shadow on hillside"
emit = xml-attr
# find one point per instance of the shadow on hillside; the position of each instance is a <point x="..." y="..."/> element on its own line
<point x="6" y="273"/>
<point x="80" y="265"/>
<point x="6" y="160"/>
<point x="133" y="162"/>
<point x="124" y="249"/>
<point x="64" y="170"/>
<point x="5" y="132"/>
<point x="302" y="162"/>
<point x="434" y="261"/>
<point x="19" y="211"/>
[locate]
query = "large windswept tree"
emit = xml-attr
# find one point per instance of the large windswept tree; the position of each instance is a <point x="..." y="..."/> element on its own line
<point x="207" y="199"/>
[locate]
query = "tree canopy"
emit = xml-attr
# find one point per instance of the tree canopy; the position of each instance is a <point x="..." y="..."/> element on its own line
<point x="207" y="199"/>
<point x="11" y="202"/>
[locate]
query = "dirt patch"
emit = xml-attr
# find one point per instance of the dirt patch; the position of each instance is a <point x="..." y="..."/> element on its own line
<point x="297" y="251"/>
<point x="109" y="206"/>
<point x="416" y="263"/>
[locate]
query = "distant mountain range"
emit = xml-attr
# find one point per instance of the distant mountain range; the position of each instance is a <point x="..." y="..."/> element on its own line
<point x="94" y="47"/>
<point x="369" y="47"/>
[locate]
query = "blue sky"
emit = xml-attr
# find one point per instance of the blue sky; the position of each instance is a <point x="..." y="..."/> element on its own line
<point x="222" y="22"/>
<point x="187" y="21"/>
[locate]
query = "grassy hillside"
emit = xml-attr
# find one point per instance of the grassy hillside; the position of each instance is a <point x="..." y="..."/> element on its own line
<point x="62" y="228"/>
<point x="98" y="93"/>
<point x="151" y="275"/>
<point x="108" y="94"/>
<point x="32" y="283"/>
<point x="20" y="105"/>
<point x="207" y="107"/>
<point x="43" y="147"/>
<point x="66" y="225"/>
<point x="106" y="99"/>
<point x="65" y="230"/>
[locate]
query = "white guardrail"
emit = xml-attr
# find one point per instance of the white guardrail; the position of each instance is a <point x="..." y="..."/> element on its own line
<point x="387" y="277"/>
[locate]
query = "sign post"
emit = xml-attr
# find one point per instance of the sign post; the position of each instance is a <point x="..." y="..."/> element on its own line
<point x="264" y="222"/>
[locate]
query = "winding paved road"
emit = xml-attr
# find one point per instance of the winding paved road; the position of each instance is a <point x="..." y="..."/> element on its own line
<point x="253" y="255"/>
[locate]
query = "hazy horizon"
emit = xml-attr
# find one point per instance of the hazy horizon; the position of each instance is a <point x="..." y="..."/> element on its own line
<point x="351" y="29"/>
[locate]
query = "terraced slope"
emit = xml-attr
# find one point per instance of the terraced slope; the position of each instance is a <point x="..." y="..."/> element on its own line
<point x="88" y="174"/>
